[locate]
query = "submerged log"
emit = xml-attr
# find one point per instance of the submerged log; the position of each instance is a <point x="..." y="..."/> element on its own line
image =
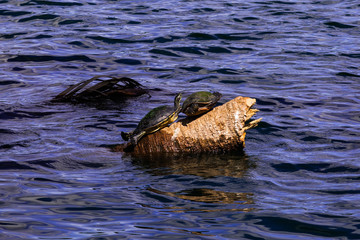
<point x="100" y="88"/>
<point x="220" y="130"/>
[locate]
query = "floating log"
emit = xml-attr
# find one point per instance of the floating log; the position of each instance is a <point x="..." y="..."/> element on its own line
<point x="101" y="88"/>
<point x="220" y="130"/>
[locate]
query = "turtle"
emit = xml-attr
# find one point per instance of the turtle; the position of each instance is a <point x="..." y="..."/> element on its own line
<point x="200" y="102"/>
<point x="153" y="121"/>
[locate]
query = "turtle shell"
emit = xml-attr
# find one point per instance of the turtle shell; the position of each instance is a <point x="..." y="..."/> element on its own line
<point x="154" y="120"/>
<point x="200" y="102"/>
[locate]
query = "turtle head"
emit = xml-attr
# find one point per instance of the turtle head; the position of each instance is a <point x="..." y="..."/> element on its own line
<point x="217" y="95"/>
<point x="125" y="136"/>
<point x="177" y="101"/>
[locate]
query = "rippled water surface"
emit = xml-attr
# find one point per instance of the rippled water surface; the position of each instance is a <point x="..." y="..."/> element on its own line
<point x="300" y="172"/>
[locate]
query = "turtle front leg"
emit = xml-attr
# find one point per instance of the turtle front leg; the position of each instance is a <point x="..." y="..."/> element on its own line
<point x="192" y="111"/>
<point x="135" y="139"/>
<point x="133" y="142"/>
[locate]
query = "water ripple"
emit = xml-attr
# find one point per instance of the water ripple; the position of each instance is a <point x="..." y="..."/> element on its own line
<point x="297" y="178"/>
<point x="34" y="58"/>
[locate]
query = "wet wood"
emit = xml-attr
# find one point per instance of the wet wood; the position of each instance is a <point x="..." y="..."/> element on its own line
<point x="221" y="130"/>
<point x="101" y="88"/>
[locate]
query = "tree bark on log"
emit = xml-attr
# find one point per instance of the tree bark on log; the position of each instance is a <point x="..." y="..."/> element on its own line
<point x="220" y="130"/>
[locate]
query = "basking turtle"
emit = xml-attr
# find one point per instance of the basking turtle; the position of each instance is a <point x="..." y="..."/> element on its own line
<point x="200" y="102"/>
<point x="155" y="120"/>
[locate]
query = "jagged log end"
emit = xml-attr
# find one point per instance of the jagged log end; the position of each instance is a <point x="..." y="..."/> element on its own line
<point x="218" y="131"/>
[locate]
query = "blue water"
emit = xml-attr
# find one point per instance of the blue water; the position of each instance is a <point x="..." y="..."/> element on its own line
<point x="300" y="172"/>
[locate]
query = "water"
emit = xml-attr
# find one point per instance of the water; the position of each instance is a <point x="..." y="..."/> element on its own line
<point x="297" y="179"/>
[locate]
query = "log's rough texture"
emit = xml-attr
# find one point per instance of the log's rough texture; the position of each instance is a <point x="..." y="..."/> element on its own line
<point x="220" y="130"/>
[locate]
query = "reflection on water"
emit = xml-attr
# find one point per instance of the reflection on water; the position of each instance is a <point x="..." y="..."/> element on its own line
<point x="205" y="166"/>
<point x="207" y="170"/>
<point x="208" y="195"/>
